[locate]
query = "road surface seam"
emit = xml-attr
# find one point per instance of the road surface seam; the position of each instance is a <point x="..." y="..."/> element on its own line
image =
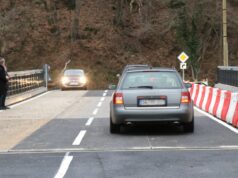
<point x="131" y="149"/>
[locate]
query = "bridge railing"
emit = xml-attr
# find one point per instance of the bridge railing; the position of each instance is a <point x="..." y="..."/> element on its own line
<point x="227" y="75"/>
<point x="26" y="84"/>
<point x="24" y="81"/>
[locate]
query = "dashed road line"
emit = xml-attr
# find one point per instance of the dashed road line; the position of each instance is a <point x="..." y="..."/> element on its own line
<point x="95" y="111"/>
<point x="79" y="138"/>
<point x="218" y="121"/>
<point x="64" y="166"/>
<point x="102" y="99"/>
<point x="89" y="122"/>
<point x="99" y="104"/>
<point x="104" y="94"/>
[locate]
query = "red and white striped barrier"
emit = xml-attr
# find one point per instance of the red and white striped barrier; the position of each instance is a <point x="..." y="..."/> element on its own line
<point x="221" y="103"/>
<point x="214" y="100"/>
<point x="232" y="113"/>
<point x="206" y="99"/>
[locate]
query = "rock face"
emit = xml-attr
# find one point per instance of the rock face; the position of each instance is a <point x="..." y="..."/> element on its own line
<point x="112" y="34"/>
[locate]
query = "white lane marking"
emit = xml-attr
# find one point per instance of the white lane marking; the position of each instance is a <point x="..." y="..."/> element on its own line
<point x="28" y="100"/>
<point x="89" y="122"/>
<point x="79" y="138"/>
<point x="104" y="94"/>
<point x="218" y="120"/>
<point x="102" y="99"/>
<point x="64" y="166"/>
<point x="99" y="104"/>
<point x="229" y="146"/>
<point x="95" y="111"/>
<point x="106" y="91"/>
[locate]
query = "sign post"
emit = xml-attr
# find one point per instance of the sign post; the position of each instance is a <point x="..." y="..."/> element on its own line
<point x="183" y="57"/>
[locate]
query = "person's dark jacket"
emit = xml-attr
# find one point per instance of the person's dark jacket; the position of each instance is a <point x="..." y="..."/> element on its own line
<point x="3" y="80"/>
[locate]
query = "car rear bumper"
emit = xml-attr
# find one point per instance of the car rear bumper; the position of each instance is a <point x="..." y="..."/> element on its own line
<point x="121" y="115"/>
<point x="74" y="86"/>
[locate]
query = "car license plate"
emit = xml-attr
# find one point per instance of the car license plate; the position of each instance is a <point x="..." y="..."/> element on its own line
<point x="152" y="102"/>
<point x="73" y="83"/>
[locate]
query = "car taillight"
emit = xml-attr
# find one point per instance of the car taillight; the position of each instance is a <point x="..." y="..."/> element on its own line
<point x="118" y="98"/>
<point x="185" y="97"/>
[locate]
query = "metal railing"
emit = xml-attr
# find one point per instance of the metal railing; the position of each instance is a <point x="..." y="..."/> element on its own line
<point x="227" y="75"/>
<point x="24" y="81"/>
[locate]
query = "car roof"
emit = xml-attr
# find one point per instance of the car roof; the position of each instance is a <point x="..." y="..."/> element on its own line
<point x="152" y="69"/>
<point x="73" y="69"/>
<point x="134" y="66"/>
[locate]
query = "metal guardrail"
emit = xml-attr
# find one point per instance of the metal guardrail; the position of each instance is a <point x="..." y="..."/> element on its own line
<point x="227" y="75"/>
<point x="24" y="81"/>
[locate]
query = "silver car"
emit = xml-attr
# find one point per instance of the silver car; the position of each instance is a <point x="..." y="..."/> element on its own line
<point x="73" y="78"/>
<point x="151" y="95"/>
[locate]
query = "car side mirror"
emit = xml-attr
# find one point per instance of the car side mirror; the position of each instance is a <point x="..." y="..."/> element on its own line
<point x="188" y="85"/>
<point x="112" y="87"/>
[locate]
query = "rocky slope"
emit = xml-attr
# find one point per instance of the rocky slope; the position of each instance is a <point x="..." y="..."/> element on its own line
<point x="35" y="32"/>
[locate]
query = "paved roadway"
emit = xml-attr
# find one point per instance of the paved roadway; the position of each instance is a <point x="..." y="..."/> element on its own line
<point x="76" y="143"/>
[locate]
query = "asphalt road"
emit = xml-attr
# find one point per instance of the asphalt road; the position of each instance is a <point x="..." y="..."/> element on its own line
<point x="76" y="143"/>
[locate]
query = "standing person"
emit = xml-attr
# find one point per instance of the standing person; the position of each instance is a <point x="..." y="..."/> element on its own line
<point x="3" y="83"/>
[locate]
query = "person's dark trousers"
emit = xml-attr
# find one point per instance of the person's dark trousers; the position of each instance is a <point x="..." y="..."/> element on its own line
<point x="4" y="100"/>
<point x="1" y="101"/>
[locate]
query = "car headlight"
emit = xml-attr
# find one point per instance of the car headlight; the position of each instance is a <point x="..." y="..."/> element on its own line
<point x="83" y="80"/>
<point x="64" y="80"/>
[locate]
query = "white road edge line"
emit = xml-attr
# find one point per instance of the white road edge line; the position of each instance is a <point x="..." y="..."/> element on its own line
<point x="64" y="166"/>
<point x="102" y="99"/>
<point x="28" y="100"/>
<point x="217" y="120"/>
<point x="89" y="122"/>
<point x="99" y="104"/>
<point x="79" y="138"/>
<point x="95" y="111"/>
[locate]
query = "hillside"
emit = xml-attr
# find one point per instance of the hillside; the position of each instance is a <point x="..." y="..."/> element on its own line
<point x="35" y="32"/>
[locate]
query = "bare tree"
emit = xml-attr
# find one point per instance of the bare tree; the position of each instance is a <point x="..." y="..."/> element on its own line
<point x="139" y="3"/>
<point x="53" y="18"/>
<point x="75" y="21"/>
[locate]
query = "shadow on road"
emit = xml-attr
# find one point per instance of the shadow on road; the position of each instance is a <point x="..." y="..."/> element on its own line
<point x="152" y="129"/>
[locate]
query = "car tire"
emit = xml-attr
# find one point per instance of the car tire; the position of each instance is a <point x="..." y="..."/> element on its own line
<point x="189" y="127"/>
<point x="114" y="128"/>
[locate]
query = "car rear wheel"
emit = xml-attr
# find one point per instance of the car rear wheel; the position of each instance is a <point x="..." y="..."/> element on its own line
<point x="114" y="128"/>
<point x="189" y="127"/>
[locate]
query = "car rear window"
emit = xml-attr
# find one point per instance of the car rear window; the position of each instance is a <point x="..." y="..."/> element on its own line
<point x="73" y="72"/>
<point x="155" y="80"/>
